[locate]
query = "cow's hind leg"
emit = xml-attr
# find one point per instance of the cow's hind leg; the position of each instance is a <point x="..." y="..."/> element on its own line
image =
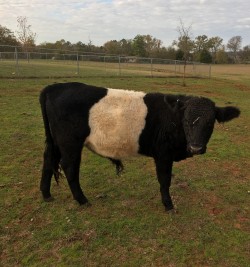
<point x="70" y="162"/>
<point x="50" y="167"/>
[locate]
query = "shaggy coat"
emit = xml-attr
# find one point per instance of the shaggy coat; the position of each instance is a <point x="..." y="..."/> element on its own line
<point x="117" y="124"/>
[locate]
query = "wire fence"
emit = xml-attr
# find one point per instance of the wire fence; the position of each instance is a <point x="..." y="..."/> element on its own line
<point x="57" y="63"/>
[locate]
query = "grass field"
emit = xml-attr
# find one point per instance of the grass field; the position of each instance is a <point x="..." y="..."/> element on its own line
<point x="67" y="68"/>
<point x="126" y="224"/>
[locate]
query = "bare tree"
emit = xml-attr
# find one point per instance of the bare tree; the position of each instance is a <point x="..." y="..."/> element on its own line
<point x="234" y="45"/>
<point x="24" y="33"/>
<point x="185" y="44"/>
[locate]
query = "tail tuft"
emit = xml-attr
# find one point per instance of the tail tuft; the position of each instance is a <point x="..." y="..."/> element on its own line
<point x="119" y="166"/>
<point x="58" y="174"/>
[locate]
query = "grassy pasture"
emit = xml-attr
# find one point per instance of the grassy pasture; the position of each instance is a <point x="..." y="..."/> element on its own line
<point x="231" y="72"/>
<point x="126" y="224"/>
<point x="67" y="68"/>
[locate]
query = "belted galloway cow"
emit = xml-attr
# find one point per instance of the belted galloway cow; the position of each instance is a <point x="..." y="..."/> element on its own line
<point x="117" y="124"/>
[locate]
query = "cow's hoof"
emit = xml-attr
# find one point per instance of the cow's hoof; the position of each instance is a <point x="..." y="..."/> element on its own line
<point x="171" y="212"/>
<point x="85" y="205"/>
<point x="48" y="199"/>
<point x="88" y="204"/>
<point x="83" y="201"/>
<point x="169" y="207"/>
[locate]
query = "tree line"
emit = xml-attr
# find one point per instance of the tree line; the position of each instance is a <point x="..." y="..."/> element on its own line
<point x="201" y="48"/>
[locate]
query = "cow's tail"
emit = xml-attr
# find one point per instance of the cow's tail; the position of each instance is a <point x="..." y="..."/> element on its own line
<point x="118" y="164"/>
<point x="52" y="154"/>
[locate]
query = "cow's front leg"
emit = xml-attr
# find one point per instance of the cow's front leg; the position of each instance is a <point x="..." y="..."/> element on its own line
<point x="164" y="173"/>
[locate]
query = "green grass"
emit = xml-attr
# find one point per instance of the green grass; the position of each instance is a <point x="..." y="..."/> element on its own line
<point x="126" y="224"/>
<point x="66" y="68"/>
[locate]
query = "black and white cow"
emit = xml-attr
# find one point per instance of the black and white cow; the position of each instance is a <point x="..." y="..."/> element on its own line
<point x="117" y="124"/>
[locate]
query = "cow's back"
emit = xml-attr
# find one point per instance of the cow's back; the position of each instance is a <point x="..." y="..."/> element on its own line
<point x="73" y="98"/>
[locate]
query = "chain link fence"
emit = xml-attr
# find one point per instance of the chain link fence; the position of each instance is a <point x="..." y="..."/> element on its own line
<point x="56" y="63"/>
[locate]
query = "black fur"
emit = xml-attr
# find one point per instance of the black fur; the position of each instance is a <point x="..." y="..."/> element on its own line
<point x="65" y="109"/>
<point x="176" y="127"/>
<point x="163" y="133"/>
<point x="226" y="113"/>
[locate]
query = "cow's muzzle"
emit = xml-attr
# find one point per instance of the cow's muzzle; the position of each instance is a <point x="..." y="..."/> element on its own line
<point x="195" y="149"/>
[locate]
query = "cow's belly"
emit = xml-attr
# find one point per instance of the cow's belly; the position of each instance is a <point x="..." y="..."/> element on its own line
<point x="116" y="123"/>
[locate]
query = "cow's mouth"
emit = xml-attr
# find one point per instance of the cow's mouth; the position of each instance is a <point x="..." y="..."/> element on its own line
<point x="195" y="149"/>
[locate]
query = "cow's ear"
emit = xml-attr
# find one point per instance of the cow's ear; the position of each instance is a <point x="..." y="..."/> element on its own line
<point x="226" y="113"/>
<point x="178" y="105"/>
<point x="174" y="105"/>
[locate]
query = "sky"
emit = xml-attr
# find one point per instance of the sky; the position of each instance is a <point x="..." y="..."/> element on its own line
<point x="104" y="20"/>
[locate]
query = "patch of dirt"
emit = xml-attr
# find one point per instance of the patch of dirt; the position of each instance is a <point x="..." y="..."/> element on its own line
<point x="214" y="211"/>
<point x="84" y="237"/>
<point x="236" y="170"/>
<point x="242" y="222"/>
<point x="242" y="87"/>
<point x="212" y="206"/>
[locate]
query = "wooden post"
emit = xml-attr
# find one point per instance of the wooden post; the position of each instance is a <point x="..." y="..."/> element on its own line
<point x="17" y="66"/>
<point x="119" y="66"/>
<point x="77" y="59"/>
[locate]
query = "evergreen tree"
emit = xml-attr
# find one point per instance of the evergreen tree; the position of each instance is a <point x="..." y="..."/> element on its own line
<point x="205" y="56"/>
<point x="7" y="37"/>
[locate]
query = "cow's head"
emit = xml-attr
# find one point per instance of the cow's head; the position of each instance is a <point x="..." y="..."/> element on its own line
<point x="198" y="122"/>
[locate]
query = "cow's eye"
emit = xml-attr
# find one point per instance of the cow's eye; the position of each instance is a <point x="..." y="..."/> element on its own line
<point x="196" y="120"/>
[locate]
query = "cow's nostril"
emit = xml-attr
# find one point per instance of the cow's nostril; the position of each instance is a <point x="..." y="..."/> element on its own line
<point x="196" y="149"/>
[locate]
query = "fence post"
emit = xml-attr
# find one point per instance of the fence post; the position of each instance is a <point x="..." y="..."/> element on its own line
<point x="77" y="59"/>
<point x="17" y="67"/>
<point x="209" y="74"/>
<point x="104" y="60"/>
<point x="151" y="66"/>
<point x="119" y="65"/>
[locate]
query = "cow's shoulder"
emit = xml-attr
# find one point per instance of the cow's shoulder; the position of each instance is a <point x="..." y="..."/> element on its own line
<point x="164" y="104"/>
<point x="163" y="123"/>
